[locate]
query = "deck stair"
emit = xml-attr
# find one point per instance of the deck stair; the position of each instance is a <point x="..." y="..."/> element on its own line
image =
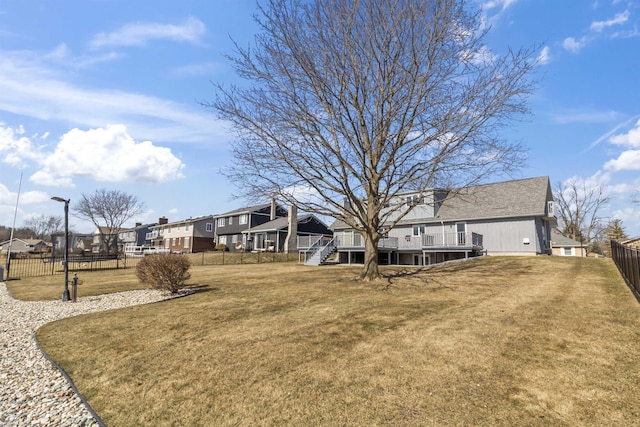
<point x="320" y="252"/>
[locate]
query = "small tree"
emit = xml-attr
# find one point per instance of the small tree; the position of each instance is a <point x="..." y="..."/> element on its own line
<point x="614" y="231"/>
<point x="108" y="210"/>
<point x="165" y="272"/>
<point x="45" y="226"/>
<point x="579" y="207"/>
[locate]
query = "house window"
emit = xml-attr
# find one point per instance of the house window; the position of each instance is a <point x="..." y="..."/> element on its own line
<point x="209" y="226"/>
<point x="222" y="240"/>
<point x="414" y="200"/>
<point x="418" y="230"/>
<point x="220" y="222"/>
<point x="186" y="227"/>
<point x="230" y="220"/>
<point x="461" y="230"/>
<point x="243" y="219"/>
<point x="567" y="252"/>
<point x="186" y="243"/>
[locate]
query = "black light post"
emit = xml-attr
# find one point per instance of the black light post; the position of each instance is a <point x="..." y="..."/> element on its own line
<point x="65" y="294"/>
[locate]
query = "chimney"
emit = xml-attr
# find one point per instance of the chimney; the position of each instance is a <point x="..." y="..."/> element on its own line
<point x="272" y="215"/>
<point x="163" y="220"/>
<point x="138" y="224"/>
<point x="291" y="242"/>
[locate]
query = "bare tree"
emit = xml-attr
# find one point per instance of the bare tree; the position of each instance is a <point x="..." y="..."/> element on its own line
<point x="45" y="226"/>
<point x="579" y="206"/>
<point x="349" y="103"/>
<point x="108" y="210"/>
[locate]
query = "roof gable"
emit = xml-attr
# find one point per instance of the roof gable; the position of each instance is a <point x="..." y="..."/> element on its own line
<point x="518" y="198"/>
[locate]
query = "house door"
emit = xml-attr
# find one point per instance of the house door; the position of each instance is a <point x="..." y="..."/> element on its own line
<point x="417" y="260"/>
<point x="461" y="229"/>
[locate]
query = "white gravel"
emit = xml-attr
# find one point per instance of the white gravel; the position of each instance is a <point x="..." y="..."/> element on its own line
<point x="32" y="391"/>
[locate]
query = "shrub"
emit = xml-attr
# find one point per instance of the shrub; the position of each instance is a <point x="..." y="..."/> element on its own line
<point x="164" y="272"/>
<point x="221" y="247"/>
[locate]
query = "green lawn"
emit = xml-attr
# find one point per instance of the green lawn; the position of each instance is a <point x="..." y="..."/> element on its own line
<point x="498" y="341"/>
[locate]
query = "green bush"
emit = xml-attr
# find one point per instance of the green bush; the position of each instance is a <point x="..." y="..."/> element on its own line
<point x="221" y="247"/>
<point x="164" y="272"/>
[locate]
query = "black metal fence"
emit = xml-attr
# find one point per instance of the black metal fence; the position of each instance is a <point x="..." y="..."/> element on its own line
<point x="627" y="259"/>
<point x="45" y="266"/>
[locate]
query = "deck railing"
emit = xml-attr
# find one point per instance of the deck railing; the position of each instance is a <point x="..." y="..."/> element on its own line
<point x="463" y="239"/>
<point x="627" y="259"/>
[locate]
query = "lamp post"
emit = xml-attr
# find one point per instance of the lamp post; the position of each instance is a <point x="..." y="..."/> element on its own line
<point x="65" y="294"/>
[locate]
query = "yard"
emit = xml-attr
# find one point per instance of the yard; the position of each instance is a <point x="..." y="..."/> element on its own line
<point x="497" y="341"/>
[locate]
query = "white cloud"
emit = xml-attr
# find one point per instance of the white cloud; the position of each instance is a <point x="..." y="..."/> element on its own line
<point x="139" y="34"/>
<point x="16" y="149"/>
<point x="107" y="155"/>
<point x="497" y="7"/>
<point x="544" y="56"/>
<point x="629" y="139"/>
<point x="628" y="160"/>
<point x="619" y="19"/>
<point x="573" y="45"/>
<point x="482" y="56"/>
<point x="196" y="69"/>
<point x="8" y="198"/>
<point x="586" y="116"/>
<point x="502" y="4"/>
<point x="28" y="88"/>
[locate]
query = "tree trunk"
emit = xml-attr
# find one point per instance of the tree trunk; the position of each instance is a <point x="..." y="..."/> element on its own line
<point x="370" y="271"/>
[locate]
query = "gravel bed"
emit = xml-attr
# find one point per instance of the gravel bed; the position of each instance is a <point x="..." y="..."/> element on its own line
<point x="32" y="391"/>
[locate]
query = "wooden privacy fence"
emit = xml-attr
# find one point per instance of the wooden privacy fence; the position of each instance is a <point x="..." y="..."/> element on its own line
<point x="37" y="266"/>
<point x="627" y="259"/>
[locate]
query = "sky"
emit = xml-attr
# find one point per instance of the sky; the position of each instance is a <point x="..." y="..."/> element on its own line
<point x="109" y="94"/>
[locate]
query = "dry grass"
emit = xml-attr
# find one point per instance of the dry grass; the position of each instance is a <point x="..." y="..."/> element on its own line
<point x="500" y="341"/>
<point x="47" y="288"/>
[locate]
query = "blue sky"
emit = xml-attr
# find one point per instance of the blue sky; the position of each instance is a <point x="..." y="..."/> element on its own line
<point x="106" y="94"/>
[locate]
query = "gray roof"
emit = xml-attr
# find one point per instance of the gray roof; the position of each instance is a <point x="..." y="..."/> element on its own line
<point x="247" y="209"/>
<point x="558" y="239"/>
<point x="509" y="199"/>
<point x="277" y="224"/>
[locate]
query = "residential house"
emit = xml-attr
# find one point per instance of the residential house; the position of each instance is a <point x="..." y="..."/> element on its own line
<point x="565" y="246"/>
<point x="505" y="218"/>
<point x="135" y="236"/>
<point x="25" y="246"/>
<point x="234" y="228"/>
<point x="635" y="242"/>
<point x="79" y="244"/>
<point x="189" y="235"/>
<point x="105" y="240"/>
<point x="283" y="235"/>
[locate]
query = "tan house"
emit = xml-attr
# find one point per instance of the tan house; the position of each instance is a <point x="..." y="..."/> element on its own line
<point x="25" y="245"/>
<point x="564" y="246"/>
<point x="635" y="242"/>
<point x="186" y="236"/>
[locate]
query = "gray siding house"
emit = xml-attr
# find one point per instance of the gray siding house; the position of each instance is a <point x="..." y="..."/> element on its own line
<point x="233" y="228"/>
<point x="504" y="218"/>
<point x="281" y="235"/>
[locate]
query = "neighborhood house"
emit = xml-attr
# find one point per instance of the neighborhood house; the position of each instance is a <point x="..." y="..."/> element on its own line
<point x="505" y="218"/>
